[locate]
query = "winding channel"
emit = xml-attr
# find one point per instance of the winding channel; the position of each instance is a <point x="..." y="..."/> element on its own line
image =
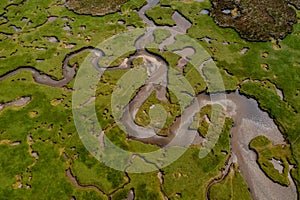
<point x="68" y="71"/>
<point x="249" y="120"/>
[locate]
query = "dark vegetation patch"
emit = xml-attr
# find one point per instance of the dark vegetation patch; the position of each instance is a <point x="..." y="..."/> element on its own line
<point x="95" y="7"/>
<point x="256" y="20"/>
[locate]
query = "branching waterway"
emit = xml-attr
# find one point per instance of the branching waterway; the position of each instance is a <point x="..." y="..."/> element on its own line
<point x="249" y="120"/>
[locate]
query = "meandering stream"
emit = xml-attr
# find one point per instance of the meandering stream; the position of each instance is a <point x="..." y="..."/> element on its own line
<point x="249" y="120"/>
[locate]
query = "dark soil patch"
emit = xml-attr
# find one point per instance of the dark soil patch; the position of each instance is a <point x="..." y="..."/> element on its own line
<point x="256" y="20"/>
<point x="95" y="7"/>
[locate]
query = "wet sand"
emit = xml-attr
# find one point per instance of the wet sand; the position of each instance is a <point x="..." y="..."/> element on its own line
<point x="251" y="122"/>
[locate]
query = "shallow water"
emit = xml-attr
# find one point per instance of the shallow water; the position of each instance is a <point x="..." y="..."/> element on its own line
<point x="249" y="122"/>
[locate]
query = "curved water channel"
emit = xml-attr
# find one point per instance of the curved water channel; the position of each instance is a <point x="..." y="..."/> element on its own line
<point x="68" y="71"/>
<point x="249" y="120"/>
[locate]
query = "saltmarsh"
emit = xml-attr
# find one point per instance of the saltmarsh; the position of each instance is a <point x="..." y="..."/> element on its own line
<point x="23" y="43"/>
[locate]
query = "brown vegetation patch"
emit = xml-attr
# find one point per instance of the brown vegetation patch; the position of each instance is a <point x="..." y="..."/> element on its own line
<point x="95" y="7"/>
<point x="255" y="20"/>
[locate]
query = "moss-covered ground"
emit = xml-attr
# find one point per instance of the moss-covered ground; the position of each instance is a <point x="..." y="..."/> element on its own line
<point x="232" y="187"/>
<point x="49" y="144"/>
